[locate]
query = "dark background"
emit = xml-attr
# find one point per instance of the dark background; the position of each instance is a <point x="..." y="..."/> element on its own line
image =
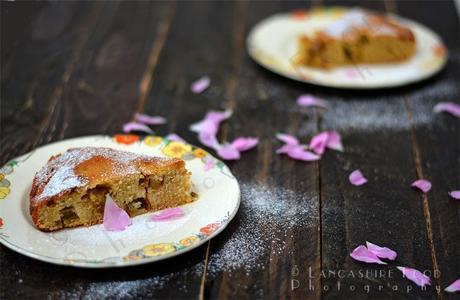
<point x="82" y="68"/>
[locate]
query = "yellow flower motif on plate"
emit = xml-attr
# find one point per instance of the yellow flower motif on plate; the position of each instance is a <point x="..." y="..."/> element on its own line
<point x="4" y="191"/>
<point x="153" y="141"/>
<point x="431" y="63"/>
<point x="336" y="12"/>
<point x="5" y="183"/>
<point x="158" y="249"/>
<point x="200" y="153"/>
<point x="131" y="257"/>
<point x="188" y="241"/>
<point x="176" y="149"/>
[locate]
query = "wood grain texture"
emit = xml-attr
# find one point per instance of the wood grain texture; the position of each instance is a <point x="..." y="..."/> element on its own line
<point x="382" y="126"/>
<point x="38" y="41"/>
<point x="276" y="232"/>
<point x="193" y="49"/>
<point x="80" y="68"/>
<point x="99" y="90"/>
<point x="436" y="147"/>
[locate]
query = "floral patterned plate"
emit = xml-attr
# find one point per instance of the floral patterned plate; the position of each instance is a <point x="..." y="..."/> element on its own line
<point x="144" y="241"/>
<point x="272" y="44"/>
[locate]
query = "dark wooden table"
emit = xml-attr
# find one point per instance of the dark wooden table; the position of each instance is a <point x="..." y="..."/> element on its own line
<point x="72" y="69"/>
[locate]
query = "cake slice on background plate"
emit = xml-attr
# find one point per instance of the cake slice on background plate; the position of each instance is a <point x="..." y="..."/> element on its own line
<point x="358" y="37"/>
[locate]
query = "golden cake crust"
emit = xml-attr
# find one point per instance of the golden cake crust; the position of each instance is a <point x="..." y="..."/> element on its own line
<point x="358" y="37"/>
<point x="82" y="169"/>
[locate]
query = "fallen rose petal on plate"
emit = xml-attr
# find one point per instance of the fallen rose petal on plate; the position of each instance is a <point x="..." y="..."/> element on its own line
<point x="134" y="126"/>
<point x="227" y="152"/>
<point x="455" y="194"/>
<point x="381" y="252"/>
<point x="415" y="276"/>
<point x="422" y="184"/>
<point x="453" y="287"/>
<point x="357" y="178"/>
<point x="115" y="218"/>
<point x="448" y="107"/>
<point x="287" y="138"/>
<point x="150" y="120"/>
<point x="244" y="143"/>
<point x="168" y="214"/>
<point x="318" y="142"/>
<point x="200" y="85"/>
<point x="361" y="253"/>
<point x="310" y="100"/>
<point x="334" y="141"/>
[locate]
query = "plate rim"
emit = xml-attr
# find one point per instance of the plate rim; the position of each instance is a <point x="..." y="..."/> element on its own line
<point x="120" y="264"/>
<point x="337" y="85"/>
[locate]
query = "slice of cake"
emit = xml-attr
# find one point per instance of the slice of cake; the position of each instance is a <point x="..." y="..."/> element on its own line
<point x="70" y="190"/>
<point x="358" y="37"/>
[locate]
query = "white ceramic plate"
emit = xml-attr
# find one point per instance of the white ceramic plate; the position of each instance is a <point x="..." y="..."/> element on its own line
<point x="144" y="241"/>
<point x="272" y="44"/>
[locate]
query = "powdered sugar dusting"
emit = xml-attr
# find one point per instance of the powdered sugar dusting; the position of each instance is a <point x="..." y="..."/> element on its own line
<point x="354" y="18"/>
<point x="59" y="176"/>
<point x="357" y="19"/>
<point x="371" y="115"/>
<point x="126" y="289"/>
<point x="268" y="216"/>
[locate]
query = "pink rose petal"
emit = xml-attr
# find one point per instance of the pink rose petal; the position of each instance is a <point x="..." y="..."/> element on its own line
<point x="286" y="148"/>
<point x="381" y="252"/>
<point x="208" y="127"/>
<point x="318" y="142"/>
<point x="351" y="73"/>
<point x="415" y="276"/>
<point x="361" y="253"/>
<point x="448" y="107"/>
<point x="218" y="116"/>
<point x="168" y="214"/>
<point x="133" y="126"/>
<point x="357" y="178"/>
<point x="174" y="137"/>
<point x="227" y="152"/>
<point x="326" y="139"/>
<point x="207" y="135"/>
<point x="244" y="143"/>
<point x="295" y="150"/>
<point x="455" y="194"/>
<point x="115" y="218"/>
<point x="454" y="287"/>
<point x="309" y="100"/>
<point x="422" y="184"/>
<point x="150" y="120"/>
<point x="334" y="141"/>
<point x="208" y="139"/>
<point x="200" y="85"/>
<point x="210" y="123"/>
<point x="301" y="154"/>
<point x="287" y="139"/>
